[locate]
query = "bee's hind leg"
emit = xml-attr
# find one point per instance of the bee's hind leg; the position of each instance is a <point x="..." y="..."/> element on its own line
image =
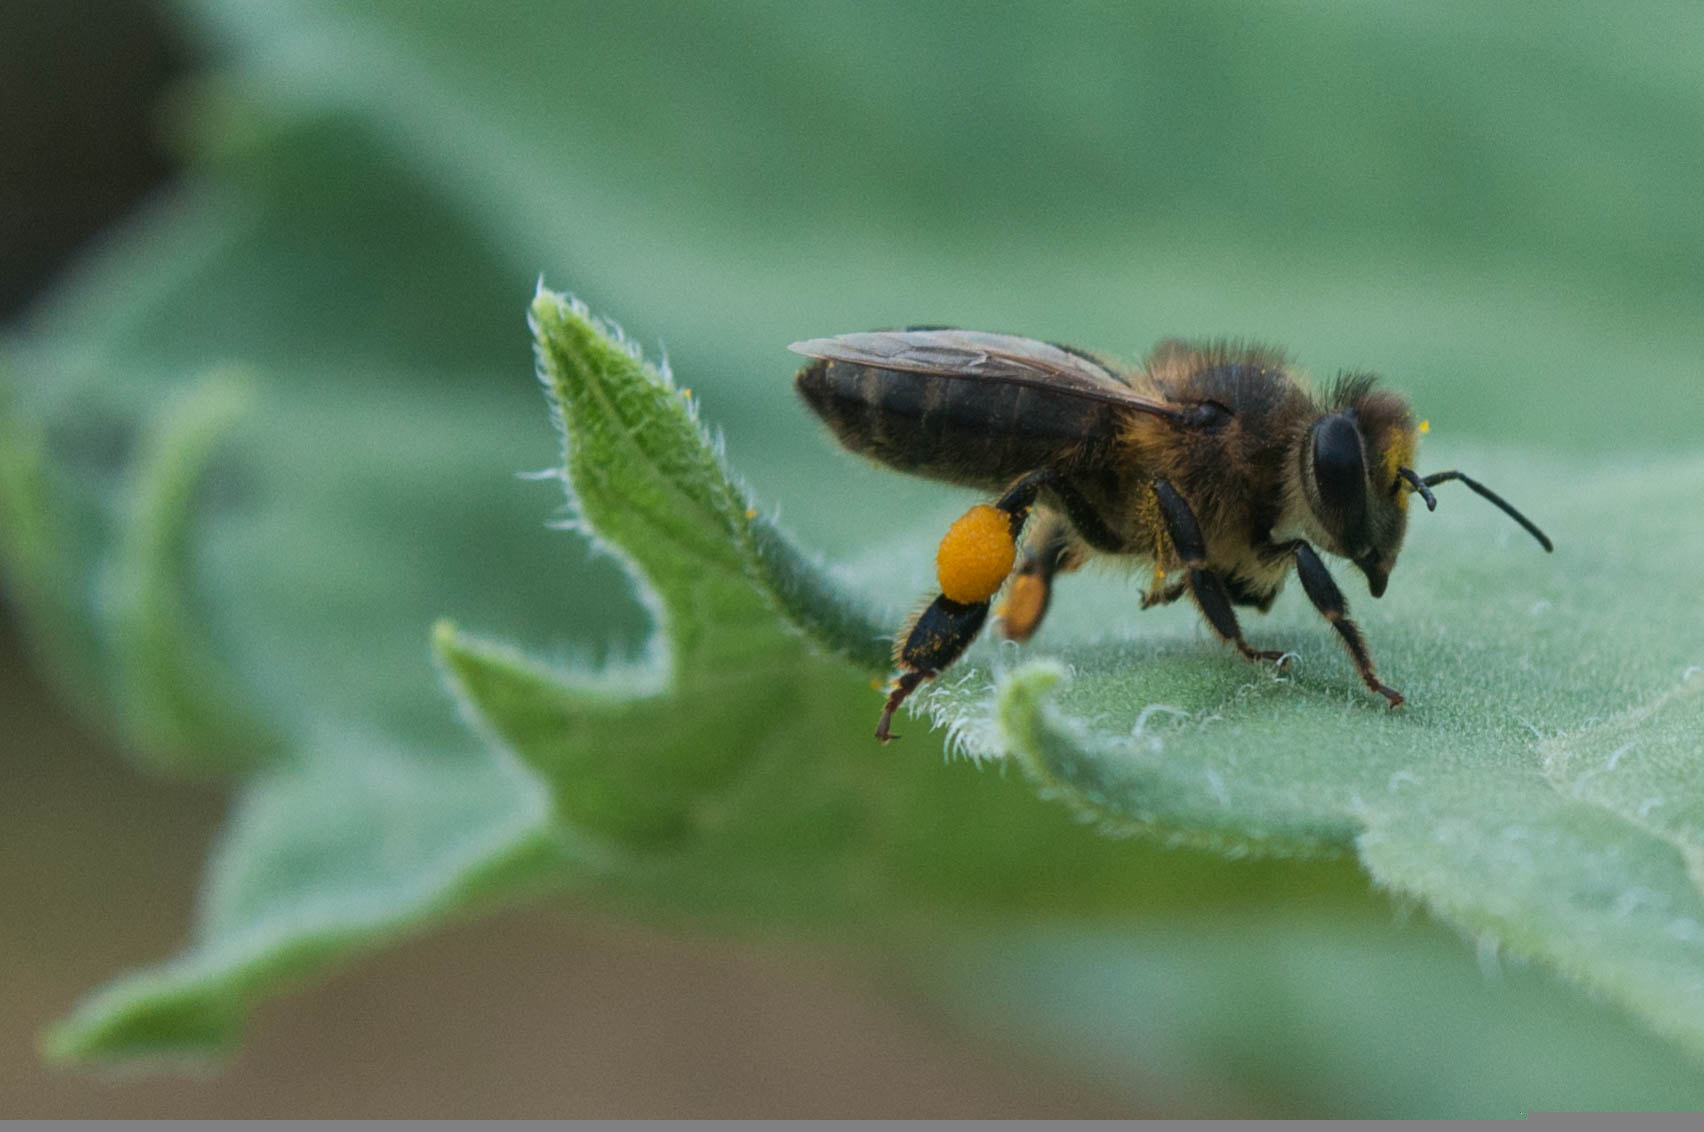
<point x="972" y="563"/>
<point x="936" y="638"/>
<point x="1209" y="591"/>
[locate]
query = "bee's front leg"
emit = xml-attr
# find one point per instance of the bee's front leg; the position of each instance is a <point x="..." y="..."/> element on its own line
<point x="1328" y="599"/>
<point x="1209" y="591"/>
<point x="972" y="562"/>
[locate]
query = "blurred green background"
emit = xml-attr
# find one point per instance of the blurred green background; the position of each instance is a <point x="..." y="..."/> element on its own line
<point x="1498" y="209"/>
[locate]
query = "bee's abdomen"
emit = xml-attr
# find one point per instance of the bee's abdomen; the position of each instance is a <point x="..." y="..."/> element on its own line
<point x="962" y="430"/>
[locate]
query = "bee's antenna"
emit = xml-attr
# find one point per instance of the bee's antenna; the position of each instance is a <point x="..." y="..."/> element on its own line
<point x="1442" y="477"/>
<point x="1419" y="485"/>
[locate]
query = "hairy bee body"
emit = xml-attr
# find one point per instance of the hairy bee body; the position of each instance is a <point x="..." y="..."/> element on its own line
<point x="1235" y="472"/>
<point x="1218" y="463"/>
<point x="985" y="435"/>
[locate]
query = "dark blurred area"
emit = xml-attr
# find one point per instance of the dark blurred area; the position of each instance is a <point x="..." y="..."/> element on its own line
<point x="81" y="83"/>
<point x="538" y="1012"/>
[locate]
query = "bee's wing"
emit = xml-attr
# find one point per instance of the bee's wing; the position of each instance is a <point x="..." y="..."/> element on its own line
<point x="977" y="356"/>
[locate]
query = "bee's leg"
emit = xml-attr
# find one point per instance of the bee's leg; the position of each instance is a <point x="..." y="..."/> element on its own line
<point x="972" y="563"/>
<point x="936" y="638"/>
<point x="1328" y="599"/>
<point x="1050" y="552"/>
<point x="1209" y="591"/>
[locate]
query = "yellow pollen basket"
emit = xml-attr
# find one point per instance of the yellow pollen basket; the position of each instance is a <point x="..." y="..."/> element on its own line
<point x="975" y="555"/>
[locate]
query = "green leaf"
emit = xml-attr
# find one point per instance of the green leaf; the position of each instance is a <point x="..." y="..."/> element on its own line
<point x="377" y="189"/>
<point x="1538" y="791"/>
<point x="633" y="755"/>
<point x="179" y="701"/>
<point x="1424" y="198"/>
<point x="200" y="567"/>
<point x="350" y="844"/>
<point x="373" y="439"/>
<point x="119" y="626"/>
<point x="693" y="767"/>
<point x="646" y="479"/>
<point x="34" y="537"/>
<point x="1374" y="1012"/>
<point x="725" y="821"/>
<point x="1459" y="799"/>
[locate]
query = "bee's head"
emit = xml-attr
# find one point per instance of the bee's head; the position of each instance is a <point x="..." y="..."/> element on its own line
<point x="1354" y="464"/>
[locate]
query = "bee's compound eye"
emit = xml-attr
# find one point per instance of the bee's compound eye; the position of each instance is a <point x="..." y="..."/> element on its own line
<point x="976" y="555"/>
<point x="1337" y="453"/>
<point x="1339" y="470"/>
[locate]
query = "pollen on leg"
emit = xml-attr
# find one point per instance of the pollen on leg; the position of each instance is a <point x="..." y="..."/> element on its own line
<point x="976" y="555"/>
<point x="1022" y="610"/>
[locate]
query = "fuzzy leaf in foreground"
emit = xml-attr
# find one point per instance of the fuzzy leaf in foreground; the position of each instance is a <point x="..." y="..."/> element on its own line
<point x="1541" y="791"/>
<point x="632" y="755"/>
<point x="1515" y="663"/>
<point x="731" y="776"/>
<point x="733" y="773"/>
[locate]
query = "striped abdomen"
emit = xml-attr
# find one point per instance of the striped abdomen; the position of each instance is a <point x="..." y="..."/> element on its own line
<point x="958" y="429"/>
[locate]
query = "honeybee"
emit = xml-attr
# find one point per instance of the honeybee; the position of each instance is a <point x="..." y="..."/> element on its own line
<point x="1216" y="462"/>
